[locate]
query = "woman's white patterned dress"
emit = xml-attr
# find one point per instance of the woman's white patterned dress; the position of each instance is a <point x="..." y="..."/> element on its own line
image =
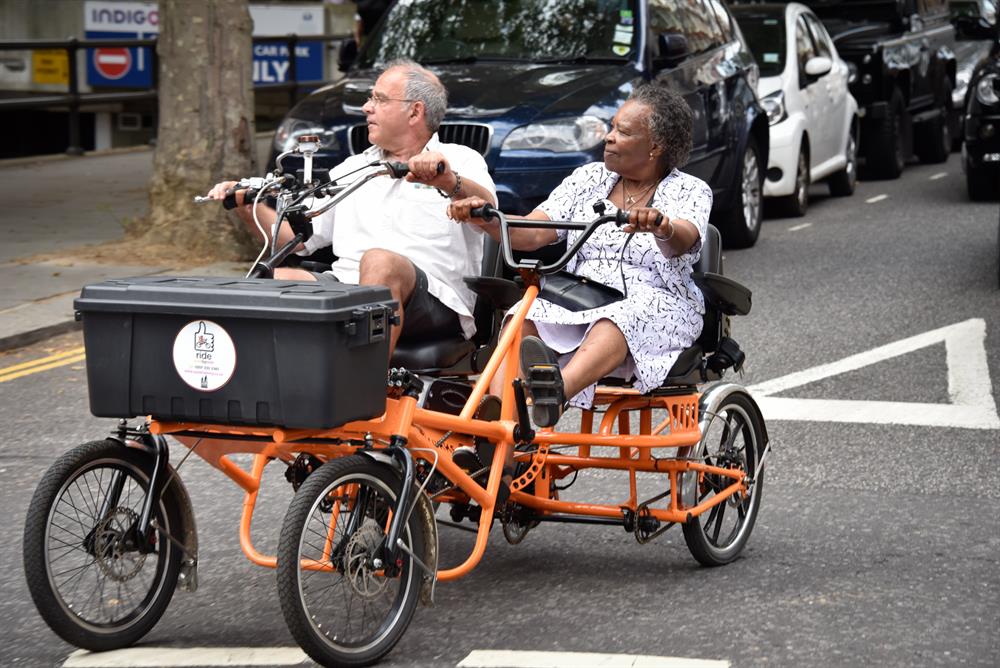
<point x="661" y="314"/>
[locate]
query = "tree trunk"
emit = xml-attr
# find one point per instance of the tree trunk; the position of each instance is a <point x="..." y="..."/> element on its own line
<point x="206" y="126"/>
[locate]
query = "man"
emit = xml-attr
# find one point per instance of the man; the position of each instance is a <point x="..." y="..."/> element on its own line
<point x="396" y="232"/>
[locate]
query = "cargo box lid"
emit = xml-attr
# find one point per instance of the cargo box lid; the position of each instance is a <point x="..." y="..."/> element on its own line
<point x="231" y="297"/>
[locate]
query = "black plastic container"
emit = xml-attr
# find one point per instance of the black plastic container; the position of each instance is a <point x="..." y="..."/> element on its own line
<point x="236" y="351"/>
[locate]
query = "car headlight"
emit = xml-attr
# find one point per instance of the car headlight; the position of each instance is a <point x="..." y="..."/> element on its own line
<point x="774" y="105"/>
<point x="560" y="136"/>
<point x="986" y="90"/>
<point x="287" y="135"/>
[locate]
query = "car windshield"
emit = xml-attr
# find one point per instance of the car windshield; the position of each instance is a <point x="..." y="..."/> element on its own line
<point x="431" y="31"/>
<point x="766" y="36"/>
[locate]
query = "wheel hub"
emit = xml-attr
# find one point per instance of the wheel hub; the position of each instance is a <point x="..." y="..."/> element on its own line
<point x="114" y="557"/>
<point x="358" y="556"/>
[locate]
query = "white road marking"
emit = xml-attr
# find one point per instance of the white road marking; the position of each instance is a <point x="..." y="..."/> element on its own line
<point x="939" y="175"/>
<point x="799" y="227"/>
<point x="969" y="387"/>
<point x="877" y="198"/>
<point x="519" y="659"/>
<point x="142" y="657"/>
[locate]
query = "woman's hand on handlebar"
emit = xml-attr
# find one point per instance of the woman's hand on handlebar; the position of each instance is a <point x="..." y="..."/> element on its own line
<point x="427" y="168"/>
<point x="647" y="219"/>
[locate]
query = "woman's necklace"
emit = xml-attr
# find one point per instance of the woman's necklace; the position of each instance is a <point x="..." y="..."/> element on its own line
<point x="630" y="199"/>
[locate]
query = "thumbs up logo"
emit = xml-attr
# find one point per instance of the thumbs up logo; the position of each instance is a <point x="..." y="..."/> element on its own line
<point x="203" y="341"/>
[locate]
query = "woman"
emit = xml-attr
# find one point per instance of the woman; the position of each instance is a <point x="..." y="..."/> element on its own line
<point x="661" y="315"/>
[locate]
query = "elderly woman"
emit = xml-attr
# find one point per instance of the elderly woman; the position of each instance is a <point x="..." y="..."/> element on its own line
<point x="650" y="259"/>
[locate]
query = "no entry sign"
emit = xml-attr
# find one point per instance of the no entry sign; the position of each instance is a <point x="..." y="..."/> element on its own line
<point x="112" y="63"/>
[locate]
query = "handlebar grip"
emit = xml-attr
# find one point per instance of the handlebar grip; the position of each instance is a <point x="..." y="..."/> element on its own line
<point x="621" y="218"/>
<point x="229" y="201"/>
<point x="485" y="212"/>
<point x="398" y="170"/>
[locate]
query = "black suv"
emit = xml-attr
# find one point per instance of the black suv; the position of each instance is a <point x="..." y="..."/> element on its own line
<point x="904" y="54"/>
<point x="533" y="84"/>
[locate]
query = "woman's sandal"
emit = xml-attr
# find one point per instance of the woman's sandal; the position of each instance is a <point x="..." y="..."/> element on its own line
<point x="543" y="380"/>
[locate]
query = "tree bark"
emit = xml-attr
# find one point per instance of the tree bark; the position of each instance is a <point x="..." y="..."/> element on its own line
<point x="206" y="125"/>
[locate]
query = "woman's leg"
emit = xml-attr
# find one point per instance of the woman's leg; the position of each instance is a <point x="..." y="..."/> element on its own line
<point x="496" y="385"/>
<point x="602" y="351"/>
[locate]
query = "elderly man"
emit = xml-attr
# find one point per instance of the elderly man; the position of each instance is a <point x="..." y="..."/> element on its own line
<point x="396" y="232"/>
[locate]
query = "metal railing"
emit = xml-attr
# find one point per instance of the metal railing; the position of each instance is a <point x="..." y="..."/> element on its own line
<point x="74" y="100"/>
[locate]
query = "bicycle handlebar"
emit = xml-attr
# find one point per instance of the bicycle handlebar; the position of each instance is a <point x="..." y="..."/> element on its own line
<point x="487" y="211"/>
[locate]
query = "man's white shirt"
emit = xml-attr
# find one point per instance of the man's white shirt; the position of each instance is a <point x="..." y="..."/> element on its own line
<point x="409" y="219"/>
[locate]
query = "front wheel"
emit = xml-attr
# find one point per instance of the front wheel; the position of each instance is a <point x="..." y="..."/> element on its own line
<point x="339" y="603"/>
<point x="740" y="227"/>
<point x="91" y="581"/>
<point x="842" y="183"/>
<point x="734" y="438"/>
<point x="797" y="204"/>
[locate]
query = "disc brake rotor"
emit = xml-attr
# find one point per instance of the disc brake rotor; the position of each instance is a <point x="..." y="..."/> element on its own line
<point x="357" y="560"/>
<point x="114" y="560"/>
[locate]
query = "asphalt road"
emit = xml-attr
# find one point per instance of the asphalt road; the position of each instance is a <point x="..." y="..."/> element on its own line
<point x="878" y="541"/>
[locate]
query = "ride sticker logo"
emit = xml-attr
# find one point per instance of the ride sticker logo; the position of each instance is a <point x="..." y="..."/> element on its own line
<point x="204" y="355"/>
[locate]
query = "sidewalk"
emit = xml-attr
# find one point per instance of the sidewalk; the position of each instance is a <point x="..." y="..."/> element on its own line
<point x="60" y="203"/>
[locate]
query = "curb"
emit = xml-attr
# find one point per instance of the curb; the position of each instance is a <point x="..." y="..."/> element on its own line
<point x="26" y="338"/>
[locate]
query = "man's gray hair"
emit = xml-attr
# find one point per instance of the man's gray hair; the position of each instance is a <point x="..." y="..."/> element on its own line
<point x="669" y="121"/>
<point x="423" y="85"/>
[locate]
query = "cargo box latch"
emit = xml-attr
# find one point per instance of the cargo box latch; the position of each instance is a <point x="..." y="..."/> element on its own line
<point x="375" y="316"/>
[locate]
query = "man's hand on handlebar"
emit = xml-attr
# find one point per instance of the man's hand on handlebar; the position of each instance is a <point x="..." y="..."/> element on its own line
<point x="431" y="168"/>
<point x="461" y="212"/>
<point x="226" y="188"/>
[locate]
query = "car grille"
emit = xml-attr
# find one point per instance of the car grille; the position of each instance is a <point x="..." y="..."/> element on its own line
<point x="474" y="135"/>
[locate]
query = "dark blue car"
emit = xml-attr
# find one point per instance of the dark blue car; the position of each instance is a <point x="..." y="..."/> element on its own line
<point x="533" y="84"/>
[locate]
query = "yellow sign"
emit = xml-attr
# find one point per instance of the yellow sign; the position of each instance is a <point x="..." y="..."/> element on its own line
<point x="50" y="66"/>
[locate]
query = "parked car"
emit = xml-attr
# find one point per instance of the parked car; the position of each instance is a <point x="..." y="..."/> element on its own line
<point x="533" y="85"/>
<point x="973" y="20"/>
<point x="803" y="88"/>
<point x="981" y="150"/>
<point x="904" y="54"/>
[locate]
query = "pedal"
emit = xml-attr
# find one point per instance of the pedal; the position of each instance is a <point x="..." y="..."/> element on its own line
<point x="545" y="387"/>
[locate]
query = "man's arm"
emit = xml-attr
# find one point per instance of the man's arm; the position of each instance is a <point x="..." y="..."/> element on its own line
<point x="453" y="184"/>
<point x="265" y="214"/>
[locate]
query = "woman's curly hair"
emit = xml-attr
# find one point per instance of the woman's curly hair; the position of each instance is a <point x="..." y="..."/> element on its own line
<point x="669" y="122"/>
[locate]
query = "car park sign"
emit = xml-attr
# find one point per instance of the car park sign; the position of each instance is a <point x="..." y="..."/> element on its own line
<point x="119" y="67"/>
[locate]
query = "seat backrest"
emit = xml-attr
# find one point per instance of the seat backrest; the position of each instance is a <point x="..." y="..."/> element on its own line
<point x="483" y="313"/>
<point x="711" y="262"/>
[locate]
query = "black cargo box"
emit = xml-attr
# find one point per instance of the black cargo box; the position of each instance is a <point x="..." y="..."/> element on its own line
<point x="236" y="351"/>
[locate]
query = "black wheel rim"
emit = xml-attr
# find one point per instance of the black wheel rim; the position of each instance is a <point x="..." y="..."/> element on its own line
<point x="100" y="580"/>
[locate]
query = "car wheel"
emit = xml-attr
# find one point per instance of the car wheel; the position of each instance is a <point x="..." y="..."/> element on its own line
<point x="797" y="203"/>
<point x="983" y="184"/>
<point x="740" y="226"/>
<point x="884" y="156"/>
<point x="934" y="137"/>
<point x="842" y="183"/>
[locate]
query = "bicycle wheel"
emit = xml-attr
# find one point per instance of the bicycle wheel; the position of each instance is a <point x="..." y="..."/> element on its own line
<point x="733" y="438"/>
<point x="88" y="578"/>
<point x="340" y="607"/>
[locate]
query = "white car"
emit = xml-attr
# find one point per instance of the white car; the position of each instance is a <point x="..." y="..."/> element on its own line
<point x="803" y="88"/>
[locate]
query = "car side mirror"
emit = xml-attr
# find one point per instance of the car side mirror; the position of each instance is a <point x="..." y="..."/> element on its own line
<point x="347" y="54"/>
<point x="818" y="66"/>
<point x="673" y="47"/>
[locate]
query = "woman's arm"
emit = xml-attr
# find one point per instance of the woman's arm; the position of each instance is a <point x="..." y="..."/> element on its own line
<point x="525" y="239"/>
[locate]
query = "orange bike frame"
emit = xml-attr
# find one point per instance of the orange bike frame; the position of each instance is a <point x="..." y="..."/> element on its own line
<point x="427" y="436"/>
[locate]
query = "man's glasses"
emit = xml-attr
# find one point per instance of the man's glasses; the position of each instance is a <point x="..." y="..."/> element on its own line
<point x="377" y="99"/>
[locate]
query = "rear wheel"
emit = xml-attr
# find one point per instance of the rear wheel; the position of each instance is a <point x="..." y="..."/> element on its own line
<point x="734" y="438"/>
<point x="884" y="149"/>
<point x="842" y="183"/>
<point x="934" y="136"/>
<point x="797" y="204"/>
<point x="338" y="602"/>
<point x="740" y="227"/>
<point x="91" y="581"/>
